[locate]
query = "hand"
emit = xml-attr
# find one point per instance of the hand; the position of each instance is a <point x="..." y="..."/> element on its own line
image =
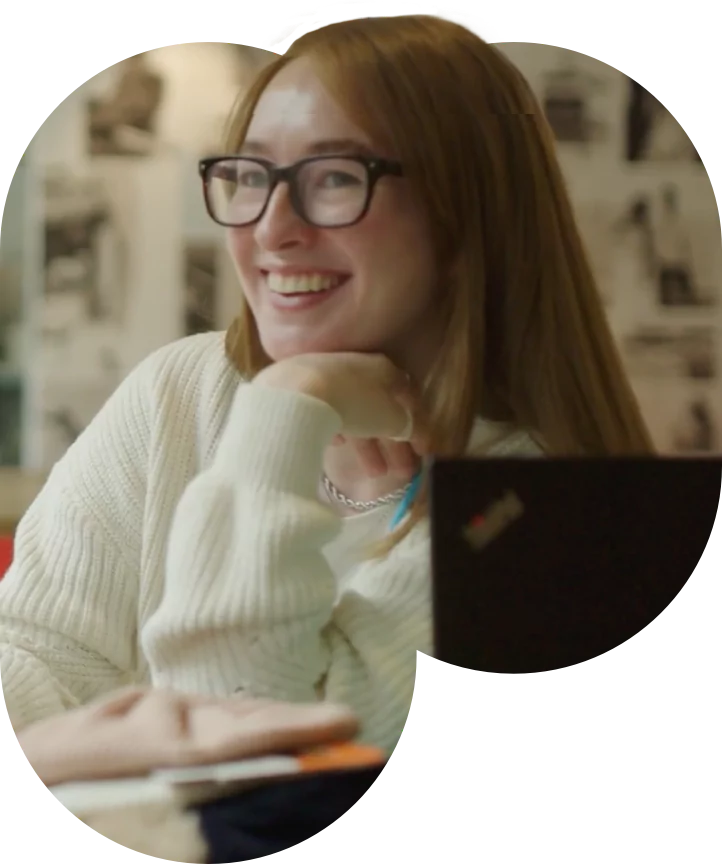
<point x="374" y="398"/>
<point x="135" y="731"/>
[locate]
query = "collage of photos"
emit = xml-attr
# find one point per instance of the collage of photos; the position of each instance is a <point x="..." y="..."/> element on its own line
<point x="172" y="99"/>
<point x="102" y="158"/>
<point x="651" y="227"/>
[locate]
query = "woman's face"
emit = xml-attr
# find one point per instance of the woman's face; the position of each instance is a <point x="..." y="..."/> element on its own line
<point x="386" y="300"/>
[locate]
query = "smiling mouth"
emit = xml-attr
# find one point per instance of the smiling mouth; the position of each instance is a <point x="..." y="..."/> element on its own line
<point x="297" y="285"/>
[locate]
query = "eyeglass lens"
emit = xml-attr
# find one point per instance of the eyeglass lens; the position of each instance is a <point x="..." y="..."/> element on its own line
<point x="331" y="191"/>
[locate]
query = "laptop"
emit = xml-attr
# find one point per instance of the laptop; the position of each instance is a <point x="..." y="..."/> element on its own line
<point x="540" y="564"/>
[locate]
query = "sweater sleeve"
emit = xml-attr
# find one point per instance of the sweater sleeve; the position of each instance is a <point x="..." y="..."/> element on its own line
<point x="68" y="604"/>
<point x="250" y="603"/>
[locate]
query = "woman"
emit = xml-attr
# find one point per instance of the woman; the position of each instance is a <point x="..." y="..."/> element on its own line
<point x="223" y="526"/>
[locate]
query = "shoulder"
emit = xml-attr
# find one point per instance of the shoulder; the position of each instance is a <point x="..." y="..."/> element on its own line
<point x="189" y="386"/>
<point x="193" y="372"/>
<point x="165" y="397"/>
<point x="190" y="359"/>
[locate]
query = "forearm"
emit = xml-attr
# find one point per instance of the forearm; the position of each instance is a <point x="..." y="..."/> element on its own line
<point x="379" y="625"/>
<point x="248" y="590"/>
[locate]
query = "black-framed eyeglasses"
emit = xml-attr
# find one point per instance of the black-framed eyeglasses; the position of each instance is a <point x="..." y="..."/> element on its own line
<point x="325" y="191"/>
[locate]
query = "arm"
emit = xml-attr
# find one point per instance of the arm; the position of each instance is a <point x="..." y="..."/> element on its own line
<point x="68" y="602"/>
<point x="250" y="601"/>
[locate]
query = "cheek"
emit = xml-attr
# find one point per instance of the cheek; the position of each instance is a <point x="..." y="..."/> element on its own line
<point x="397" y="228"/>
<point x="396" y="245"/>
<point x="240" y="247"/>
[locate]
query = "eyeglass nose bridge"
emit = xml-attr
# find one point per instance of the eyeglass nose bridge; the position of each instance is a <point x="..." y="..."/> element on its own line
<point x="278" y="175"/>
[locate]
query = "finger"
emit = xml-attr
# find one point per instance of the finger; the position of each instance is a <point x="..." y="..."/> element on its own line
<point x="338" y="440"/>
<point x="119" y="701"/>
<point x="407" y="432"/>
<point x="420" y="437"/>
<point x="165" y="713"/>
<point x="371" y="458"/>
<point x="416" y="432"/>
<point x="218" y="734"/>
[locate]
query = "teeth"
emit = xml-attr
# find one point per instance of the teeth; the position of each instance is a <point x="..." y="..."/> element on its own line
<point x="301" y="284"/>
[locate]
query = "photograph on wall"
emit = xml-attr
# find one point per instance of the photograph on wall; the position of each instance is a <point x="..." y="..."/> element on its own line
<point x="568" y="99"/>
<point x="632" y="263"/>
<point x="200" y="267"/>
<point x="695" y="429"/>
<point x="662" y="256"/>
<point x="176" y="98"/>
<point x="652" y="133"/>
<point x="678" y="282"/>
<point x="687" y="352"/>
<point x="123" y="122"/>
<point x="83" y="308"/>
<point x="84" y="266"/>
<point x="582" y="98"/>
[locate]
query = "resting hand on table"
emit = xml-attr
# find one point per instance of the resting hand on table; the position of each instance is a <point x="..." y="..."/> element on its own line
<point x="137" y="730"/>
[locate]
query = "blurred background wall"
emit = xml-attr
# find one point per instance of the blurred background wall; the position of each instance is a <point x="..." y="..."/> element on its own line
<point x="106" y="252"/>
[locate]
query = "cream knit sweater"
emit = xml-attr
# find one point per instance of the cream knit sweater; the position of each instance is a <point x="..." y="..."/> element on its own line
<point x="181" y="541"/>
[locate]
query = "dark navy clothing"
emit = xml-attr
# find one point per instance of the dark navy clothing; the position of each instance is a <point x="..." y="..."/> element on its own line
<point x="279" y="815"/>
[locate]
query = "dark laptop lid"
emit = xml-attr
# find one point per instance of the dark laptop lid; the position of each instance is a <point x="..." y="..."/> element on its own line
<point x="543" y="563"/>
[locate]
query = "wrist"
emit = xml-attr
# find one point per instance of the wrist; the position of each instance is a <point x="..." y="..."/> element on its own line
<point x="293" y="377"/>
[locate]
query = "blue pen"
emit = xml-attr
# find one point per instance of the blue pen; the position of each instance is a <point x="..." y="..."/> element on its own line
<point x="407" y="500"/>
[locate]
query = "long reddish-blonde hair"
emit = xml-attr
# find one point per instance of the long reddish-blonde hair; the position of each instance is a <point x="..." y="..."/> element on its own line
<point x="527" y="340"/>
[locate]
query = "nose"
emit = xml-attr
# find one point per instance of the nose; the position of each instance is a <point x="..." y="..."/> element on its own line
<point x="281" y="227"/>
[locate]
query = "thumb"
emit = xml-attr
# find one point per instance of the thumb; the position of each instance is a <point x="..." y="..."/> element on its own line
<point x="416" y="431"/>
<point x="119" y="702"/>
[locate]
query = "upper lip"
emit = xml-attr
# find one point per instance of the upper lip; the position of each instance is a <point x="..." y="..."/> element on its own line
<point x="287" y="270"/>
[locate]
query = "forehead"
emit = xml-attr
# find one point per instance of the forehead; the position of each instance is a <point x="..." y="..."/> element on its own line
<point x="296" y="111"/>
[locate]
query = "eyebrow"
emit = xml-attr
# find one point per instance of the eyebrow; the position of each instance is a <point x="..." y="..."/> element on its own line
<point x="318" y="148"/>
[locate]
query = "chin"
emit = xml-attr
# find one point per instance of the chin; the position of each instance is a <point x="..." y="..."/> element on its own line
<point x="281" y="349"/>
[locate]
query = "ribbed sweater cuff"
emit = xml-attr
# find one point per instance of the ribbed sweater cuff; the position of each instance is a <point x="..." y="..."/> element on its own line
<point x="300" y="427"/>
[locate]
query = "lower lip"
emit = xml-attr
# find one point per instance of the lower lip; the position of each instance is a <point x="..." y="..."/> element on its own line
<point x="300" y="302"/>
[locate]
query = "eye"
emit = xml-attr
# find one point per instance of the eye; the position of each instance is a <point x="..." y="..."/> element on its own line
<point x="252" y="178"/>
<point x="337" y="180"/>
